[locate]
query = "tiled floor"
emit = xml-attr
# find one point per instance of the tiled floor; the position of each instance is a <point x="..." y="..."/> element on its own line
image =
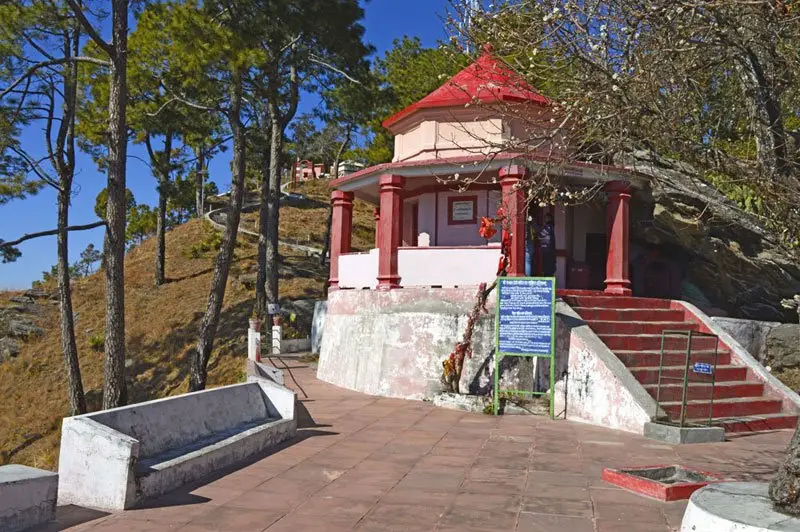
<point x="370" y="463"/>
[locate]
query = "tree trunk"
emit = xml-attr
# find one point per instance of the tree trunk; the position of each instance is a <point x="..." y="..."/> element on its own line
<point x="784" y="490"/>
<point x="768" y="127"/>
<point x="273" y="207"/>
<point x="199" y="364"/>
<point x="114" y="388"/>
<point x="163" y="165"/>
<point x="263" y="230"/>
<point x="323" y="258"/>
<point x="77" y="401"/>
<point x="161" y="239"/>
<point x="200" y="182"/>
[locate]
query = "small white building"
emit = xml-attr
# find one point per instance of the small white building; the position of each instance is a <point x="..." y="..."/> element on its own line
<point x="349" y="167"/>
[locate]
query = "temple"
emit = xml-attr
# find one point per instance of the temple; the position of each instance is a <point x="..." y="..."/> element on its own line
<point x="395" y="312"/>
<point x="448" y="172"/>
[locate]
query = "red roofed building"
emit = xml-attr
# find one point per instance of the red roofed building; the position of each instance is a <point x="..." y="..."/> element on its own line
<point x="427" y="229"/>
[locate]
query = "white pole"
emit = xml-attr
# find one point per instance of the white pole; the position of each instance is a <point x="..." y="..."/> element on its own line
<point x="254" y="341"/>
<point x="277" y="335"/>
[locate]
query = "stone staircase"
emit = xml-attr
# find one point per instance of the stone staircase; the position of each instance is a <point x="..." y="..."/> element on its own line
<point x="631" y="327"/>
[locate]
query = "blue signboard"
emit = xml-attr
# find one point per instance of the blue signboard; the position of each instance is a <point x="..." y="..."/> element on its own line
<point x="525" y="316"/>
<point x="702" y="367"/>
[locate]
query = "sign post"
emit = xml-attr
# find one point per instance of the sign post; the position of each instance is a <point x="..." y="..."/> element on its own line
<point x="525" y="327"/>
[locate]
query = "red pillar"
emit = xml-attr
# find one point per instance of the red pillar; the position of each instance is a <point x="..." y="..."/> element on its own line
<point x="376" y="212"/>
<point x="341" y="231"/>
<point x="390" y="230"/>
<point x="514" y="205"/>
<point x="617" y="279"/>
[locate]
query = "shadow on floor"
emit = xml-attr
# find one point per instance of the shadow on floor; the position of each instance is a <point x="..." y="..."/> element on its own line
<point x="304" y="418"/>
<point x="68" y="516"/>
<point x="183" y="496"/>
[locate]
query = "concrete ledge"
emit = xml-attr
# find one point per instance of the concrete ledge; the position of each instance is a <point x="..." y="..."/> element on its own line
<point x="593" y="385"/>
<point x="295" y="345"/>
<point x="679" y="435"/>
<point x="115" y="459"/>
<point x="482" y="404"/>
<point x="735" y="506"/>
<point x="259" y="370"/>
<point x="27" y="497"/>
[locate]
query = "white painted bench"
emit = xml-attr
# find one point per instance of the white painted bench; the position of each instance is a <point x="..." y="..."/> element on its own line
<point x="114" y="459"/>
<point x="27" y="497"/>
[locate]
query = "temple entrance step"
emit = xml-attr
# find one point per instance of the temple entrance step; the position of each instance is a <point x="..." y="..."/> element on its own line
<point x="634" y="359"/>
<point x="723" y="408"/>
<point x="635" y="328"/>
<point x="755" y="423"/>
<point x="619" y="302"/>
<point x="592" y="314"/>
<point x="702" y="390"/>
<point x="653" y="342"/>
<point x="649" y="375"/>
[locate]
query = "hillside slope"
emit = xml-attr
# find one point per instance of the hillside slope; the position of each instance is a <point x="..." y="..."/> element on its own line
<point x="161" y="325"/>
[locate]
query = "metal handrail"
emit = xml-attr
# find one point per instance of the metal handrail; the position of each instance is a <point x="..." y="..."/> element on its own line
<point x="690" y="334"/>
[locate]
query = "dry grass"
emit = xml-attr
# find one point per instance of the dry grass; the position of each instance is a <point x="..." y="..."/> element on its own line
<point x="161" y="326"/>
<point x="790" y="377"/>
<point x="301" y="223"/>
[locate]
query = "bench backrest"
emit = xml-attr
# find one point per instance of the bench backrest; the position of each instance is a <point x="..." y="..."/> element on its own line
<point x="173" y="422"/>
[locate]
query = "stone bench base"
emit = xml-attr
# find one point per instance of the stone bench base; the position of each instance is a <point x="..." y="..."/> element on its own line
<point x="27" y="497"/>
<point x="115" y="459"/>
<point x="165" y="473"/>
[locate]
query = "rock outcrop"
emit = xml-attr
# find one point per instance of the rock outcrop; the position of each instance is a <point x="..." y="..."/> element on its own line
<point x="737" y="264"/>
<point x="783" y="347"/>
<point x="18" y="322"/>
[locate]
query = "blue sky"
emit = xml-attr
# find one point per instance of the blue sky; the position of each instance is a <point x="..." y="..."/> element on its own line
<point x="385" y="21"/>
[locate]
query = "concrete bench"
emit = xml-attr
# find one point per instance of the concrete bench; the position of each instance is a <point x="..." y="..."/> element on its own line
<point x="27" y="497"/>
<point x="114" y="459"/>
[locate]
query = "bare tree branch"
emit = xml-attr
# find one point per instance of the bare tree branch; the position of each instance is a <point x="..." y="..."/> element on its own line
<point x="314" y="59"/>
<point x="50" y="232"/>
<point x="60" y="61"/>
<point x="102" y="43"/>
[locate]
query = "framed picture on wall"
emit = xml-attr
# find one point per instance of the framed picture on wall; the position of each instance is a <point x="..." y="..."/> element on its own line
<point x="462" y="210"/>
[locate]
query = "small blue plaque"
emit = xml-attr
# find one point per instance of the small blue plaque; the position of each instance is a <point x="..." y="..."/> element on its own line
<point x="703" y="368"/>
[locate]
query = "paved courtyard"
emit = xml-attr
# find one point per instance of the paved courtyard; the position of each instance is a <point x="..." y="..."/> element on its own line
<point x="368" y="463"/>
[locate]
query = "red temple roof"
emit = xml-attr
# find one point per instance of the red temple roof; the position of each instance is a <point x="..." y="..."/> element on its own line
<point x="486" y="80"/>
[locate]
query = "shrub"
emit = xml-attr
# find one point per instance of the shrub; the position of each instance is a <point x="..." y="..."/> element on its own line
<point x="211" y="241"/>
<point x="97" y="341"/>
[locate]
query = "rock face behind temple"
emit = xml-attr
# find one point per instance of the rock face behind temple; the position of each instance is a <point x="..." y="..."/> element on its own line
<point x="726" y="254"/>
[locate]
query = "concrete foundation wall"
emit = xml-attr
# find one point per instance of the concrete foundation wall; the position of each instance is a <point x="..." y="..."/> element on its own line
<point x="27" y="497"/>
<point x="393" y="343"/>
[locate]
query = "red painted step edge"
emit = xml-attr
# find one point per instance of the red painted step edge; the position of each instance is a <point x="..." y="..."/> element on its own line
<point x="655" y="489"/>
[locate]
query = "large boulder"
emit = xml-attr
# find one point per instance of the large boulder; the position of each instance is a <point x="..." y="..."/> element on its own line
<point x="783" y="347"/>
<point x="726" y="253"/>
<point x="17" y="324"/>
<point x="9" y="348"/>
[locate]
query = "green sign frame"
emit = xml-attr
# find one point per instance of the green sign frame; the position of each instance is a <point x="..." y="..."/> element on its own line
<point x="500" y="355"/>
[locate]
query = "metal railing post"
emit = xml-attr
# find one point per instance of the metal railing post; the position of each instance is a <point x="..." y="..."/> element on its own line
<point x="660" y="368"/>
<point x="686" y="379"/>
<point x="713" y="383"/>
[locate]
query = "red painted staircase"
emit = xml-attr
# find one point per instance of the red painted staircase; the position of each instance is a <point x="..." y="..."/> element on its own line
<point x="631" y="327"/>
